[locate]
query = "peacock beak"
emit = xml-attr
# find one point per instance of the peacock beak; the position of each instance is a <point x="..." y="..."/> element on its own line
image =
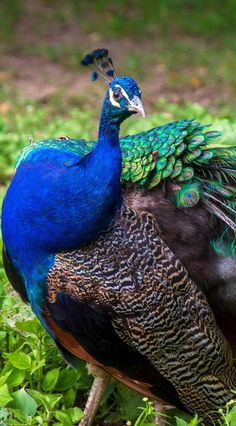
<point x="136" y="105"/>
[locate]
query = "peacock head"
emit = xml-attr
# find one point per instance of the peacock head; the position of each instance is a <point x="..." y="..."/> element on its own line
<point x="123" y="98"/>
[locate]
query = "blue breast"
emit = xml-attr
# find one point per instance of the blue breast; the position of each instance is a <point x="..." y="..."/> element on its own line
<point x="56" y="203"/>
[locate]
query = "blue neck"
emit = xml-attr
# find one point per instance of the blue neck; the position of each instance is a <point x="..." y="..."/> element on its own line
<point x="56" y="207"/>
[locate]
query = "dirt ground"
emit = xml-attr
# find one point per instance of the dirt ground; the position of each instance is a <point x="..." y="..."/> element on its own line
<point x="33" y="75"/>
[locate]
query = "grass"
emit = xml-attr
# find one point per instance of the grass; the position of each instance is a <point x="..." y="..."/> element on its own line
<point x="10" y="14"/>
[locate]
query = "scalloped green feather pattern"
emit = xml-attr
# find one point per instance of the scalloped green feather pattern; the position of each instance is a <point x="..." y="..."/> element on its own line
<point x="149" y="157"/>
<point x="177" y="151"/>
<point x="78" y="147"/>
<point x="170" y="151"/>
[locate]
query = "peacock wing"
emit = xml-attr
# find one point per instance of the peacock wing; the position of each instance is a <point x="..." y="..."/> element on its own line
<point x="76" y="147"/>
<point x="163" y="152"/>
<point x="184" y="157"/>
<point x="126" y="302"/>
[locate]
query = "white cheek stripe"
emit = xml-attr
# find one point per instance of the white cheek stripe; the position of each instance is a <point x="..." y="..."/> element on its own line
<point x="123" y="92"/>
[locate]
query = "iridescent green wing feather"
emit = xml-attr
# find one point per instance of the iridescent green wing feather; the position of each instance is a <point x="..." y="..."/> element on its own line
<point x="180" y="153"/>
<point x="149" y="157"/>
<point x="167" y="151"/>
<point x="77" y="147"/>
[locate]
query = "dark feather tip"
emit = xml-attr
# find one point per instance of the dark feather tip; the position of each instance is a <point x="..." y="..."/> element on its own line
<point x="99" y="53"/>
<point x="94" y="76"/>
<point x="95" y="54"/>
<point x="110" y="73"/>
<point x="87" y="60"/>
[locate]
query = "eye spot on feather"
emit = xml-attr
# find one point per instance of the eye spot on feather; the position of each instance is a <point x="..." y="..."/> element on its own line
<point x="64" y="138"/>
<point x="191" y="198"/>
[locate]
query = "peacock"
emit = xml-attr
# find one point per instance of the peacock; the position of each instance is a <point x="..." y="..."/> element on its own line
<point x="93" y="264"/>
<point x="179" y="173"/>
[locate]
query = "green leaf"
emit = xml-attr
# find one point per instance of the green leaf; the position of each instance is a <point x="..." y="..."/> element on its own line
<point x="20" y="360"/>
<point x="64" y="418"/>
<point x="195" y="421"/>
<point x="231" y="416"/>
<point x="16" y="422"/>
<point x="38" y="420"/>
<point x="29" y="326"/>
<point x="39" y="397"/>
<point x="3" y="415"/>
<point x="50" y="379"/>
<point x="128" y="402"/>
<point x="53" y="400"/>
<point x="19" y="416"/>
<point x="75" y="414"/>
<point x="36" y="365"/>
<point x="2" y="335"/>
<point x="24" y="402"/>
<point x="5" y="397"/>
<point x="181" y="422"/>
<point x="67" y="379"/>
<point x="15" y="378"/>
<point x="69" y="397"/>
<point x="4" y="377"/>
<point x="47" y="400"/>
<point x="150" y="424"/>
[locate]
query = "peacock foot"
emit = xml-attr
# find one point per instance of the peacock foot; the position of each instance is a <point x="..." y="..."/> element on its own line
<point x="99" y="384"/>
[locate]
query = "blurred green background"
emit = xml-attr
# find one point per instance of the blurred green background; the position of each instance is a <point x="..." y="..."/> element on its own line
<point x="183" y="55"/>
<point x="182" y="50"/>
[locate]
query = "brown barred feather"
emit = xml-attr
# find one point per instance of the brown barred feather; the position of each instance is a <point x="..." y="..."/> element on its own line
<point x="153" y="305"/>
<point x="72" y="345"/>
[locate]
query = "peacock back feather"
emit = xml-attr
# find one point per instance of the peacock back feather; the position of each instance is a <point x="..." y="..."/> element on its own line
<point x="180" y="153"/>
<point x="171" y="151"/>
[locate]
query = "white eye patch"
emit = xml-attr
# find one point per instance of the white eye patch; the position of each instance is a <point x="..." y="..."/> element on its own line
<point x="112" y="100"/>
<point x="111" y="96"/>
<point x="123" y="92"/>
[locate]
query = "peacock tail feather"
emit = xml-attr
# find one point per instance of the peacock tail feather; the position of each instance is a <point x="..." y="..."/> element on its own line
<point x="218" y="188"/>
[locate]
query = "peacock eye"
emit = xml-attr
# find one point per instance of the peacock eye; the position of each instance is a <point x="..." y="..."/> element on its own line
<point x="117" y="95"/>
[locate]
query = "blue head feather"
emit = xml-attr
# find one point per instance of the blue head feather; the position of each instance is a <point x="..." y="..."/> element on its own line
<point x="122" y="90"/>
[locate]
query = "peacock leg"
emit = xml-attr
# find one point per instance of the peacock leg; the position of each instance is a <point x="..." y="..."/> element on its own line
<point x="159" y="410"/>
<point x="99" y="384"/>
